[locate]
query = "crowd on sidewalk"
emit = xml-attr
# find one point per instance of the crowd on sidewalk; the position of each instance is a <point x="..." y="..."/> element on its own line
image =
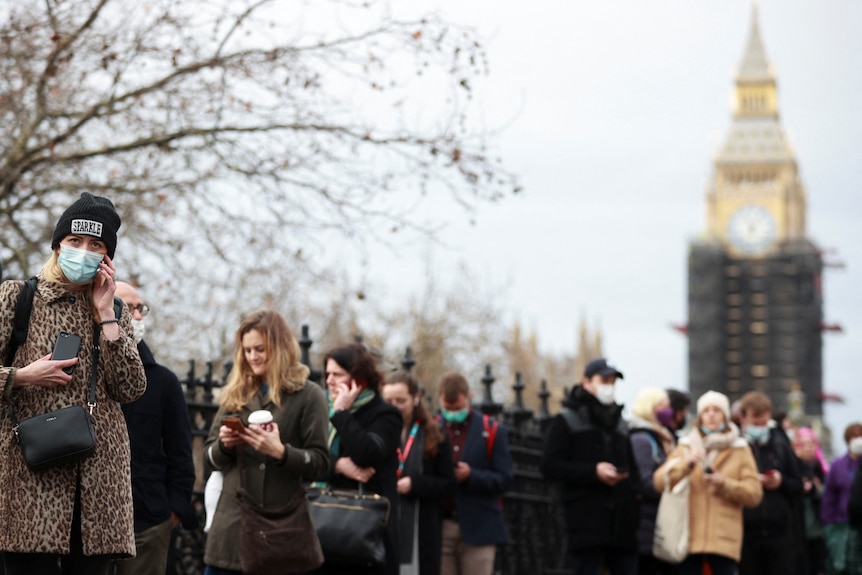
<point x="732" y="490"/>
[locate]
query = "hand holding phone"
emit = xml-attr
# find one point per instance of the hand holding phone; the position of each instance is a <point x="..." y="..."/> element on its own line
<point x="67" y="346"/>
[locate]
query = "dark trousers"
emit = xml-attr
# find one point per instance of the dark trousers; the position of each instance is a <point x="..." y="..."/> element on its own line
<point x="772" y="555"/>
<point x="75" y="563"/>
<point x="815" y="563"/>
<point x="649" y="565"/>
<point x="616" y="561"/>
<point x="718" y="564"/>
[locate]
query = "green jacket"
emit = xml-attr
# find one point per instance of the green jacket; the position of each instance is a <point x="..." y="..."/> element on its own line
<point x="303" y="420"/>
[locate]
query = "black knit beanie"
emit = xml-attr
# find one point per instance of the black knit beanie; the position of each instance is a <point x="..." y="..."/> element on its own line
<point x="92" y="216"/>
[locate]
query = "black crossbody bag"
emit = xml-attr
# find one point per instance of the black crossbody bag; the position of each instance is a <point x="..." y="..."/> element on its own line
<point x="64" y="435"/>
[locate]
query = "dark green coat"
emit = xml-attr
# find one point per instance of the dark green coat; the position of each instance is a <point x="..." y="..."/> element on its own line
<point x="303" y="420"/>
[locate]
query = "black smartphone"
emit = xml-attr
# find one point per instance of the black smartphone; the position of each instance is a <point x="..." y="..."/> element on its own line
<point x="67" y="346"/>
<point x="622" y="470"/>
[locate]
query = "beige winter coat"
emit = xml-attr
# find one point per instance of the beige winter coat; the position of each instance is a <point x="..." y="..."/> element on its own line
<point x="715" y="514"/>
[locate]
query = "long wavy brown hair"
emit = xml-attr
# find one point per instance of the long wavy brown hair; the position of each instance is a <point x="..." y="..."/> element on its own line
<point x="284" y="372"/>
<point x="433" y="435"/>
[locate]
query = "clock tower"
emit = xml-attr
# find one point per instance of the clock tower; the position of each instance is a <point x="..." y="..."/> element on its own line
<point x="754" y="301"/>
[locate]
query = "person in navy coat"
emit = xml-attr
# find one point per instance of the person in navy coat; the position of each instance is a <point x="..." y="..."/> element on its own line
<point x="473" y="522"/>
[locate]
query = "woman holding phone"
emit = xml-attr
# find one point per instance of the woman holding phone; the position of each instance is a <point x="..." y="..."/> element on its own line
<point x="271" y="460"/>
<point x="364" y="435"/>
<point x="76" y="516"/>
<point x="723" y="480"/>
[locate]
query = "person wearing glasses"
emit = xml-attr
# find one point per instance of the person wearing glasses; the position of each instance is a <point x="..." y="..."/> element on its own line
<point x="163" y="471"/>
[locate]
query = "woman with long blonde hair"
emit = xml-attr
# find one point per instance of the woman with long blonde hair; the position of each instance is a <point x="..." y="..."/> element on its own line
<point x="275" y="458"/>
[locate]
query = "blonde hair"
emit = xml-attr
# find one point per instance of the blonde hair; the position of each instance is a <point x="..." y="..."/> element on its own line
<point x="284" y="372"/>
<point x="645" y="402"/>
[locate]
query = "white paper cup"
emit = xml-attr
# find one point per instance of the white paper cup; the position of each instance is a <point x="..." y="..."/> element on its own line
<point x="261" y="417"/>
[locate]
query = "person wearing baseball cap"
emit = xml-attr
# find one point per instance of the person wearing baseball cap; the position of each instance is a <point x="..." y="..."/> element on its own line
<point x="587" y="450"/>
<point x="77" y="516"/>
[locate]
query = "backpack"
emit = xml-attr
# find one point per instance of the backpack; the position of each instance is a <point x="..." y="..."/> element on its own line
<point x="23" y="308"/>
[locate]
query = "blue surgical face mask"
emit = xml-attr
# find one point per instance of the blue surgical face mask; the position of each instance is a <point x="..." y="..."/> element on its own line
<point x="459" y="416"/>
<point x="707" y="431"/>
<point x="79" y="266"/>
<point x="757" y="433"/>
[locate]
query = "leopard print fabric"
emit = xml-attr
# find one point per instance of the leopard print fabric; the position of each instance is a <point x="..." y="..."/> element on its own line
<point x="36" y="506"/>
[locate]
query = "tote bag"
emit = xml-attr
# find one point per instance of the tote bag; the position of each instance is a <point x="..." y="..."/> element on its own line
<point x="670" y="542"/>
<point x="350" y="525"/>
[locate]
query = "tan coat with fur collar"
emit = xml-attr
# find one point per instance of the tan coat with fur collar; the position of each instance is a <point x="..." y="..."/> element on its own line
<point x="715" y="513"/>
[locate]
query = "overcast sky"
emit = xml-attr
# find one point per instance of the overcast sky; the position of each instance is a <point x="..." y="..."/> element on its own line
<point x="614" y="111"/>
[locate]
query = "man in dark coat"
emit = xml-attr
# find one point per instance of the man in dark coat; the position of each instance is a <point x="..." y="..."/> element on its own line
<point x="473" y="522"/>
<point x="163" y="472"/>
<point x="587" y="450"/>
<point x="773" y="529"/>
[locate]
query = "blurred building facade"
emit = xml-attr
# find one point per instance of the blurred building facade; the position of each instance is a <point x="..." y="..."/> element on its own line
<point x="755" y="304"/>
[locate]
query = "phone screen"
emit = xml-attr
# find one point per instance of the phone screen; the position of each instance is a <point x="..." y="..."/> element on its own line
<point x="67" y="346"/>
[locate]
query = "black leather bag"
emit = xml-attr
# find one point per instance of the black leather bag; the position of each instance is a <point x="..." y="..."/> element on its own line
<point x="350" y="525"/>
<point x="57" y="437"/>
<point x="277" y="541"/>
<point x="61" y="436"/>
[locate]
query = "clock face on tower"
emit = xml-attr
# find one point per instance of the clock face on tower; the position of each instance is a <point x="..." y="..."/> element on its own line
<point x="751" y="229"/>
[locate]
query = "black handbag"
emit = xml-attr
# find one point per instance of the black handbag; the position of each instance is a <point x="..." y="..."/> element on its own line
<point x="61" y="436"/>
<point x="350" y="525"/>
<point x="276" y="541"/>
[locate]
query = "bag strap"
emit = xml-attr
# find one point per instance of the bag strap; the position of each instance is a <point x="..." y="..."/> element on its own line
<point x="21" y="323"/>
<point x="21" y="327"/>
<point x="490" y="434"/>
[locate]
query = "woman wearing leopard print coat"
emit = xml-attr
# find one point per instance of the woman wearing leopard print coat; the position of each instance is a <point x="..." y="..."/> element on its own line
<point x="75" y="517"/>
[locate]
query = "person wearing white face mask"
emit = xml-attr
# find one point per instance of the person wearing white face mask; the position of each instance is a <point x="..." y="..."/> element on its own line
<point x="163" y="471"/>
<point x="587" y="450"/>
<point x="76" y="516"/>
<point x="842" y="538"/>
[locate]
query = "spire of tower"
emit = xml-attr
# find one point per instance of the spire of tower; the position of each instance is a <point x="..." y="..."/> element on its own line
<point x="754" y="66"/>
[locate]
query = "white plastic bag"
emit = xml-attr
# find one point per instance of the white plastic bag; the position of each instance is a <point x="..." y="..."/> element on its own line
<point x="212" y="493"/>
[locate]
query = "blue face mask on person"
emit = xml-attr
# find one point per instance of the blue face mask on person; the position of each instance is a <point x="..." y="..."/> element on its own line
<point x="79" y="266"/>
<point x="757" y="433"/>
<point x="707" y="431"/>
<point x="459" y="416"/>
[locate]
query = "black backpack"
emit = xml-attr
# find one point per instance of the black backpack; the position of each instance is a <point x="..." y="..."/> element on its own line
<point x="21" y="324"/>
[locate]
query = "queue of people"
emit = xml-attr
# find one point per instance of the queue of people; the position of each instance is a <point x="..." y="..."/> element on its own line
<point x="758" y="500"/>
